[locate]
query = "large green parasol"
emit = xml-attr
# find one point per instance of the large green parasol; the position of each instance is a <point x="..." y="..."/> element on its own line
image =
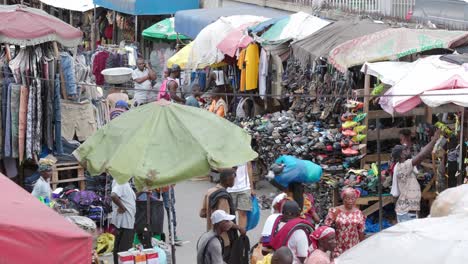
<point x="163" y="30"/>
<point x="163" y="143"/>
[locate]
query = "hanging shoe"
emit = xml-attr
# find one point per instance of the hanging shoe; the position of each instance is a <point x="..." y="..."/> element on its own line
<point x="360" y="117"/>
<point x="359" y="129"/>
<point x="359" y="138"/>
<point x="349" y="124"/>
<point x="349" y="151"/>
<point x="349" y="133"/>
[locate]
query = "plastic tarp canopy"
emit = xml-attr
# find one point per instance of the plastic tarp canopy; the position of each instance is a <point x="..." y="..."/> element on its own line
<point x="193" y="141"/>
<point x="20" y="25"/>
<point x="205" y="46"/>
<point x="411" y="80"/>
<point x="191" y="22"/>
<point x="163" y="30"/>
<point x="323" y="41"/>
<point x="147" y="7"/>
<point x="392" y="44"/>
<point x="74" y="5"/>
<point x="430" y="241"/>
<point x="31" y="232"/>
<point x="294" y="27"/>
<point x="442" y="97"/>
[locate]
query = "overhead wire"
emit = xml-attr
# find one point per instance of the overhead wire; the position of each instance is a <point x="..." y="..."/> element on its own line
<point x="349" y="94"/>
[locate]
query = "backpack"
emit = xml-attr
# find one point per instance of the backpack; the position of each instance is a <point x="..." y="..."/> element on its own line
<point x="240" y="251"/>
<point x="281" y="237"/>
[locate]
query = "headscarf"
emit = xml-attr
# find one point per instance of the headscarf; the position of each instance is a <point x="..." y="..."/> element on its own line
<point x="45" y="164"/>
<point x="350" y="190"/>
<point x="321" y="233"/>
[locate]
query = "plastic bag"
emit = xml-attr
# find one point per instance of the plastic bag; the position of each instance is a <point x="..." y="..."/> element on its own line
<point x="253" y="216"/>
<point x="297" y="170"/>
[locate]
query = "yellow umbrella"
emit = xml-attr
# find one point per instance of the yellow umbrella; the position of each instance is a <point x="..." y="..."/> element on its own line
<point x="181" y="58"/>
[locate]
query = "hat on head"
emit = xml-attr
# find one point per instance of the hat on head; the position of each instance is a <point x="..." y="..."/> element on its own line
<point x="220" y="215"/>
<point x="122" y="104"/>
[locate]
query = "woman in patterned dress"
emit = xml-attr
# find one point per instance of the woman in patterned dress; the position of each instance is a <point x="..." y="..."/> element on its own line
<point x="348" y="221"/>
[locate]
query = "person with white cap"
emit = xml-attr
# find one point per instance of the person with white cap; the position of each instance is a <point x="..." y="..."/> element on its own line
<point x="209" y="246"/>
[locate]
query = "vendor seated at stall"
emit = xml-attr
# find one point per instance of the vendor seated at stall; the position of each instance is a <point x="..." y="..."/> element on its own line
<point x="142" y="77"/>
<point x="42" y="186"/>
<point x="218" y="105"/>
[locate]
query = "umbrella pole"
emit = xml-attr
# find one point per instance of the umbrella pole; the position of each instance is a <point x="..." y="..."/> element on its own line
<point x="171" y="225"/>
<point x="379" y="175"/>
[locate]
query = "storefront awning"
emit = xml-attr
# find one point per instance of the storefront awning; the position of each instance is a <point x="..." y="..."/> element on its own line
<point x="76" y="5"/>
<point x="191" y="22"/>
<point x="147" y="7"/>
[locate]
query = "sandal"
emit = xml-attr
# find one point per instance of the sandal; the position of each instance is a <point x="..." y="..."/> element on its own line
<point x="359" y="129"/>
<point x="360" y="117"/>
<point x="349" y="133"/>
<point x="349" y="124"/>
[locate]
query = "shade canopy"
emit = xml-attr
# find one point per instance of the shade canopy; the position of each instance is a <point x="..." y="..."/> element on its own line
<point x="323" y="41"/>
<point x="294" y="27"/>
<point x="163" y="143"/>
<point x="205" y="49"/>
<point x="191" y="22"/>
<point x="29" y="230"/>
<point x="428" y="76"/>
<point x="74" y="5"/>
<point x="163" y="30"/>
<point x="391" y="44"/>
<point x="147" y="7"/>
<point x="21" y="25"/>
<point x="429" y="241"/>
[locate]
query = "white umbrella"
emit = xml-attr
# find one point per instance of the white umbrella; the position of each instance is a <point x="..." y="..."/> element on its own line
<point x="442" y="240"/>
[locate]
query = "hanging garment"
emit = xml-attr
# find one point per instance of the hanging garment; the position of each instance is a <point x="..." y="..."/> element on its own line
<point x="14" y="108"/>
<point x="77" y="119"/>
<point x="99" y="64"/>
<point x="241" y="66"/>
<point x="277" y="72"/>
<point x="57" y="116"/>
<point x="30" y="122"/>
<point x="8" y="123"/>
<point x="23" y="110"/>
<point x="68" y="67"/>
<point x="38" y="120"/>
<point x="252" y="58"/>
<point x="262" y="73"/>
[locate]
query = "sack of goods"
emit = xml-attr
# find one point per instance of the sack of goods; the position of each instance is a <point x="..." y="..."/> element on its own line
<point x="287" y="169"/>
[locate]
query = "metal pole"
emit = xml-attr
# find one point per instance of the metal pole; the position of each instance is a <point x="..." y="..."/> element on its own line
<point x="460" y="157"/>
<point x="379" y="175"/>
<point x="71" y="17"/>
<point x="93" y="31"/>
<point x="136" y="28"/>
<point x="171" y="225"/>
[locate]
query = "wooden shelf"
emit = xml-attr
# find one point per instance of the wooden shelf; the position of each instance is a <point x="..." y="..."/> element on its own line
<point x="388" y="133"/>
<point x="374" y="157"/>
<point x="374" y="114"/>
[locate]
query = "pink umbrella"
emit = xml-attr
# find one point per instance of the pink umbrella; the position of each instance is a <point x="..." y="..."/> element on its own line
<point x="21" y="25"/>
<point x="237" y="38"/>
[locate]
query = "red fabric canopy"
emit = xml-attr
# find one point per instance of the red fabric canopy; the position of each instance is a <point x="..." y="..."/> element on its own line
<point x="30" y="232"/>
<point x="27" y="26"/>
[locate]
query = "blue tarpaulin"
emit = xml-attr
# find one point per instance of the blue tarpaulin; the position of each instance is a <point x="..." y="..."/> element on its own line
<point x="191" y="22"/>
<point x="147" y="7"/>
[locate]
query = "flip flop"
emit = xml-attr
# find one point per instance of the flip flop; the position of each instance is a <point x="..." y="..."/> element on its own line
<point x="349" y="133"/>
<point x="359" y="129"/>
<point x="349" y="124"/>
<point x="360" y="117"/>
<point x="359" y="138"/>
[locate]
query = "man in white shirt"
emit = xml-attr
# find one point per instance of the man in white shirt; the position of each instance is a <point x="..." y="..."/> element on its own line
<point x="123" y="216"/>
<point x="142" y="77"/>
<point x="42" y="186"/>
<point x="242" y="191"/>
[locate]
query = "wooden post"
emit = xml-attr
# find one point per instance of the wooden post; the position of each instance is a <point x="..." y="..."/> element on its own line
<point x="366" y="110"/>
<point x="71" y="18"/>
<point x="93" y="30"/>
<point x="62" y="78"/>
<point x="136" y="28"/>
<point x="114" y="28"/>
<point x="428" y="115"/>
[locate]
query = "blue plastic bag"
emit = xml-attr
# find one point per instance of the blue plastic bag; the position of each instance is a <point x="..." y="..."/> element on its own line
<point x="253" y="216"/>
<point x="297" y="170"/>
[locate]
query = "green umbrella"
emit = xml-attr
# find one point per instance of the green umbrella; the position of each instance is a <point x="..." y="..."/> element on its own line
<point x="163" y="143"/>
<point x="163" y="30"/>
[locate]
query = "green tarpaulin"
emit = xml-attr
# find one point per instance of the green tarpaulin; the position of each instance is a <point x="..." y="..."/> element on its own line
<point x="163" y="30"/>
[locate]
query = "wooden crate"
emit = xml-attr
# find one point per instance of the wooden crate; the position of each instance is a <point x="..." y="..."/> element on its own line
<point x="60" y="168"/>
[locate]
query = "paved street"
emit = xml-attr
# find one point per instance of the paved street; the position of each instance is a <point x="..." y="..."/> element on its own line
<point x="190" y="226"/>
